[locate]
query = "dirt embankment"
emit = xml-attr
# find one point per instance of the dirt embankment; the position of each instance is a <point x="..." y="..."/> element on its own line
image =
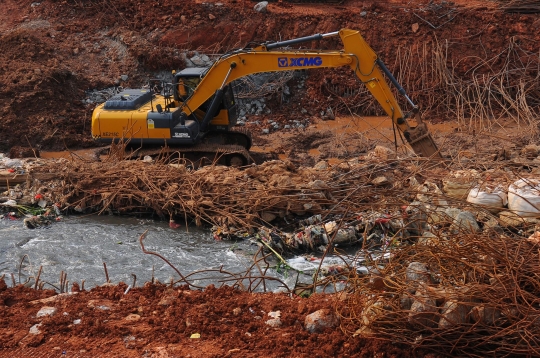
<point x="157" y="321"/>
<point x="55" y="50"/>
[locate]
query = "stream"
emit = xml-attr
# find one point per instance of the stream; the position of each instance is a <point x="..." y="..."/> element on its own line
<point x="80" y="245"/>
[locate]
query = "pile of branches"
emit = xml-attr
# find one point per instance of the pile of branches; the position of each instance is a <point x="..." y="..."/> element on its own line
<point x="464" y="294"/>
<point x="222" y="196"/>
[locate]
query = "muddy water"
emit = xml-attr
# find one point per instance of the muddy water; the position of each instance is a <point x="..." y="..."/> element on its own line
<point x="80" y="245"/>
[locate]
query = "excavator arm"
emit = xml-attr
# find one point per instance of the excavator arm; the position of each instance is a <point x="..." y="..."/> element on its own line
<point x="356" y="54"/>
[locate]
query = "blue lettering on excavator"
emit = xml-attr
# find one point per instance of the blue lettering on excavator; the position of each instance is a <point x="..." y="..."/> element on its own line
<point x="299" y="62"/>
<point x="282" y="62"/>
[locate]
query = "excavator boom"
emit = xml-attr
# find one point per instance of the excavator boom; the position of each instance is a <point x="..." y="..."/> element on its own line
<point x="357" y="54"/>
<point x="199" y="115"/>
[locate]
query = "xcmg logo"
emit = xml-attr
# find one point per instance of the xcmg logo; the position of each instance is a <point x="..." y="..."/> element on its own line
<point x="299" y="62"/>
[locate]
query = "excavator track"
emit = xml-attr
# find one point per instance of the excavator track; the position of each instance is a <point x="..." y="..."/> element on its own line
<point x="200" y="154"/>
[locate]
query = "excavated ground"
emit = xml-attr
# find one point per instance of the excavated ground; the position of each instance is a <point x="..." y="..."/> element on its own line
<point x="156" y="321"/>
<point x="55" y="51"/>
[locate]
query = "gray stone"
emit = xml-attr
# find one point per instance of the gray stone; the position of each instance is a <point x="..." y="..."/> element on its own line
<point x="320" y="320"/>
<point x="266" y="131"/>
<point x="322" y="165"/>
<point x="330" y="114"/>
<point x="286" y="91"/>
<point x="286" y="126"/>
<point x="46" y="311"/>
<point x="124" y="77"/>
<point x="423" y="312"/>
<point x="261" y="7"/>
<point x="363" y="13"/>
<point x="35" y="329"/>
<point x="197" y="61"/>
<point x="417" y="272"/>
<point x="466" y="221"/>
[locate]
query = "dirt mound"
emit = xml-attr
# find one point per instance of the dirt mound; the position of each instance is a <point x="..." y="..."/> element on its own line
<point x="159" y="321"/>
<point x="53" y="51"/>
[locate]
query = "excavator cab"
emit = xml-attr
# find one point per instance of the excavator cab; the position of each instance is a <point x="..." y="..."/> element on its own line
<point x="185" y="84"/>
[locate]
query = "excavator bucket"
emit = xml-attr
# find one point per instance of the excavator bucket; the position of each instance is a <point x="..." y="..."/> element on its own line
<point x="422" y="143"/>
<point x="426" y="147"/>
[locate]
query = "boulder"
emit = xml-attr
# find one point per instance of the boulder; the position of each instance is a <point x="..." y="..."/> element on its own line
<point x="320" y="320"/>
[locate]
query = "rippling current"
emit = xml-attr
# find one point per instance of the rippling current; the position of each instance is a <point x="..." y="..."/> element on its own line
<point x="80" y="245"/>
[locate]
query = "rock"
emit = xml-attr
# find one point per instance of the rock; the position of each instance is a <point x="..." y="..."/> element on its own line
<point x="266" y="131"/>
<point x="509" y="219"/>
<point x="268" y="217"/>
<point x="183" y="19"/>
<point x="423" y="312"/>
<point x="77" y="321"/>
<point x="486" y="315"/>
<point x="261" y="7"/>
<point x="415" y="27"/>
<point x="380" y="181"/>
<point x="52" y="298"/>
<point x="198" y="61"/>
<point x="317" y="184"/>
<point x="418" y="272"/>
<point x="453" y="313"/>
<point x="124" y="77"/>
<point x="465" y="221"/>
<point x="103" y="305"/>
<point x="237" y="311"/>
<point x="275" y="321"/>
<point x="35" y="329"/>
<point x="330" y="114"/>
<point x="363" y="14"/>
<point x="46" y="311"/>
<point x="428" y="238"/>
<point x="211" y="17"/>
<point x="320" y="320"/>
<point x="322" y="165"/>
<point x="132" y="317"/>
<point x="168" y="298"/>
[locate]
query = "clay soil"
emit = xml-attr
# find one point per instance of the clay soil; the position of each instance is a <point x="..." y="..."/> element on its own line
<point x="54" y="51"/>
<point x="157" y="321"/>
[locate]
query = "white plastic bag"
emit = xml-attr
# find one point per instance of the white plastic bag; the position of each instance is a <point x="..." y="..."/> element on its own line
<point x="524" y="197"/>
<point x="494" y="200"/>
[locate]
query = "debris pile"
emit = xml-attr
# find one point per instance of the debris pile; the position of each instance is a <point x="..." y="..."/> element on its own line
<point x="469" y="294"/>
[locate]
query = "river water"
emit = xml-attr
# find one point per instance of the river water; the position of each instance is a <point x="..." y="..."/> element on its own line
<point x="80" y="245"/>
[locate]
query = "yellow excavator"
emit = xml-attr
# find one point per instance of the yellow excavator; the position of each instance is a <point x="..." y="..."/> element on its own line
<point x="195" y="115"/>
